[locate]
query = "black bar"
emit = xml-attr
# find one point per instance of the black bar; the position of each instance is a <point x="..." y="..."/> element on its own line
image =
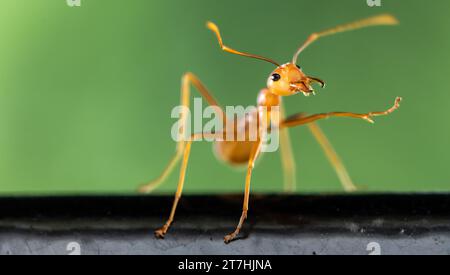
<point x="277" y="224"/>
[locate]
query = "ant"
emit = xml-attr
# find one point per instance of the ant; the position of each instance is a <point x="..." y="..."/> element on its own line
<point x="286" y="80"/>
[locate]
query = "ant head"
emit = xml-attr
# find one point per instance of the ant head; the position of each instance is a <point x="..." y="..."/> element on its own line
<point x="289" y="79"/>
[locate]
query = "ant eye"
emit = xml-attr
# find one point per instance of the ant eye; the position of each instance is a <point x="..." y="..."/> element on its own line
<point x="276" y="77"/>
<point x="298" y="67"/>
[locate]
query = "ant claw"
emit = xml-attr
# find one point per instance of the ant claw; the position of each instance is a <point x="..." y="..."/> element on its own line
<point x="229" y="238"/>
<point x="160" y="233"/>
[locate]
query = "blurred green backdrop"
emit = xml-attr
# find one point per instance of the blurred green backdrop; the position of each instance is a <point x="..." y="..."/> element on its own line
<point x="86" y="92"/>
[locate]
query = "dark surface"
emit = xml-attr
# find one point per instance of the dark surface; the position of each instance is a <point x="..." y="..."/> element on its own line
<point x="400" y="224"/>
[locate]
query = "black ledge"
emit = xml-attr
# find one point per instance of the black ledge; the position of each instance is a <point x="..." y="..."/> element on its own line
<point x="277" y="224"/>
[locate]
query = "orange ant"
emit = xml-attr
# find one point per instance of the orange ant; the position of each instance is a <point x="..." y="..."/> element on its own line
<point x="285" y="80"/>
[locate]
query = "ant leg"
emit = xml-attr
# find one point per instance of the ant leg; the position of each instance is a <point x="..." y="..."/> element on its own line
<point x="159" y="233"/>
<point x="149" y="187"/>
<point x="287" y="157"/>
<point x="186" y="152"/>
<point x="251" y="163"/>
<point x="333" y="157"/>
<point x="188" y="78"/>
<point x="300" y="119"/>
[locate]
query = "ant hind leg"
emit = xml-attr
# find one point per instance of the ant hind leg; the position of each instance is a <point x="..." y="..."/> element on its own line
<point x="187" y="80"/>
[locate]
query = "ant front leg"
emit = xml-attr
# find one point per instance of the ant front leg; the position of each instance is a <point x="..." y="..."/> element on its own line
<point x="251" y="163"/>
<point x="336" y="162"/>
<point x="300" y="119"/>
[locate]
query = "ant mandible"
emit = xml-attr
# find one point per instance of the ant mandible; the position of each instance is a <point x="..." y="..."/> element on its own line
<point x="285" y="80"/>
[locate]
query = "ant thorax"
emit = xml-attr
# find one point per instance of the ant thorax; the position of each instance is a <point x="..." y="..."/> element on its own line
<point x="268" y="99"/>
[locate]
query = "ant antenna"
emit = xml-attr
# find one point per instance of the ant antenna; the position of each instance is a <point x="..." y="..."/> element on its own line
<point x="213" y="27"/>
<point x="383" y="19"/>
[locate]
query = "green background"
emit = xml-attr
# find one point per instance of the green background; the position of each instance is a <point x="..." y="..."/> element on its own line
<point x="86" y="92"/>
